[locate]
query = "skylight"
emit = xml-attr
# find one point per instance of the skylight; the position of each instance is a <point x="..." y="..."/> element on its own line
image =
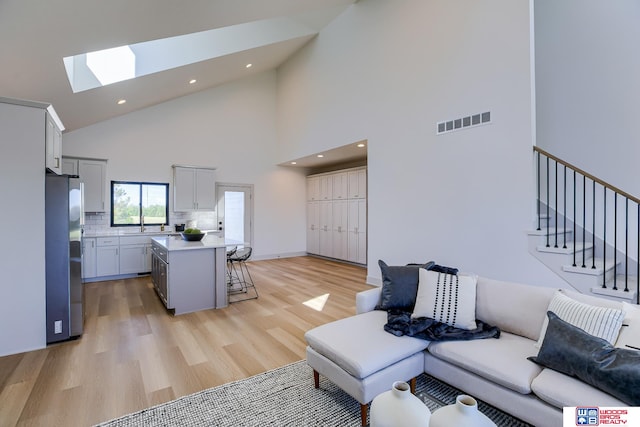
<point x="112" y="65"/>
<point x="96" y="69"/>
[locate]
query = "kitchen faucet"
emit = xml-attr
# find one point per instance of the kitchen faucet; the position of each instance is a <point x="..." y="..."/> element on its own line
<point x="142" y="223"/>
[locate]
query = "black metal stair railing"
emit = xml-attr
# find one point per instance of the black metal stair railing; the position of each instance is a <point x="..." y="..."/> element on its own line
<point x="600" y="219"/>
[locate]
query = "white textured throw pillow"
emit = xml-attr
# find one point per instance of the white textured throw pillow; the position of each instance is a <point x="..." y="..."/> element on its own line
<point x="629" y="337"/>
<point x="601" y="322"/>
<point x="447" y="298"/>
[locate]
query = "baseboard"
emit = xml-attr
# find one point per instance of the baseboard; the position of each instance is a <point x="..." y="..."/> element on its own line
<point x="277" y="256"/>
<point x="375" y="281"/>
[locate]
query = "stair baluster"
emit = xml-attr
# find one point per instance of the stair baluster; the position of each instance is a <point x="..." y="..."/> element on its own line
<point x="584" y="217"/>
<point x="556" y="207"/>
<point x="593" y="227"/>
<point x="615" y="240"/>
<point x="607" y="269"/>
<point x="548" y="202"/>
<point x="604" y="237"/>
<point x="565" y="208"/>
<point x="626" y="245"/>
<point x="538" y="188"/>
<point x="575" y="218"/>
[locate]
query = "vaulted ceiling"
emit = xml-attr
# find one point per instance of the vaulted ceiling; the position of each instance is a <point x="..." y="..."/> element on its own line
<point x="36" y="35"/>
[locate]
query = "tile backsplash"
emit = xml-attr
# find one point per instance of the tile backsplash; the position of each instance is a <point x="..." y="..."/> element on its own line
<point x="96" y="223"/>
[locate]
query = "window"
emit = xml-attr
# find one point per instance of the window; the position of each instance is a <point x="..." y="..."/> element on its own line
<point x="130" y="201"/>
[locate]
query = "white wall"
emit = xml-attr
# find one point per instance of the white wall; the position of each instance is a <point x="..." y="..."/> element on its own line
<point x="587" y="86"/>
<point x="233" y="128"/>
<point x="387" y="72"/>
<point x="22" y="266"/>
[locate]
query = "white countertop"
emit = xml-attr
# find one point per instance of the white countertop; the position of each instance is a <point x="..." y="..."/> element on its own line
<point x="129" y="232"/>
<point x="176" y="243"/>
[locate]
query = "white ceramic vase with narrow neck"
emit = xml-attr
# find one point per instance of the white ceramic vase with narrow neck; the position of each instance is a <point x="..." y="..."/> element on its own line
<point x="398" y="407"/>
<point x="463" y="413"/>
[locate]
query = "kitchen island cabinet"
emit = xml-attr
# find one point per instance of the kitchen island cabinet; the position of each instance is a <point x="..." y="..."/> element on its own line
<point x="190" y="276"/>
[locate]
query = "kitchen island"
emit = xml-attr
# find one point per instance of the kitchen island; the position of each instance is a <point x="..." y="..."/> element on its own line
<point x="190" y="276"/>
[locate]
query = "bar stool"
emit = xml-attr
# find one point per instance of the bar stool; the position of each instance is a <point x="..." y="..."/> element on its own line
<point x="241" y="286"/>
<point x="230" y="252"/>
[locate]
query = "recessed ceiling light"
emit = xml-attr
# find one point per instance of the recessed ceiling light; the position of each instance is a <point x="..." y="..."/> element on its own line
<point x="192" y="81"/>
<point x="122" y="101"/>
<point x="320" y="155"/>
<point x="249" y="65"/>
<point x="361" y="145"/>
<point x="294" y="163"/>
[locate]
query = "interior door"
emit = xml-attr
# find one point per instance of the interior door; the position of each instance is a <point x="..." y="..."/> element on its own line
<point x="235" y="212"/>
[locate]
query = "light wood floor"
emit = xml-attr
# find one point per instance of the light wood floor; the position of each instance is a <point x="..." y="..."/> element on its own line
<point x="134" y="354"/>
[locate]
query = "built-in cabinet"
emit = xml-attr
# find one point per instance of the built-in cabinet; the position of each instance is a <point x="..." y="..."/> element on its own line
<point x="193" y="189"/>
<point x="357" y="231"/>
<point x="53" y="143"/>
<point x="337" y="215"/>
<point x="93" y="174"/>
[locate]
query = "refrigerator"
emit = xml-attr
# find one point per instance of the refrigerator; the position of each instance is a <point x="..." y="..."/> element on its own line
<point x="64" y="223"/>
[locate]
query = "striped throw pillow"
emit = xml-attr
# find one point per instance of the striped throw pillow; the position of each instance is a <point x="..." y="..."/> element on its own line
<point x="447" y="298"/>
<point x="601" y="322"/>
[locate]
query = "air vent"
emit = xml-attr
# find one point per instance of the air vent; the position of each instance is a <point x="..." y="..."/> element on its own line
<point x="463" y="122"/>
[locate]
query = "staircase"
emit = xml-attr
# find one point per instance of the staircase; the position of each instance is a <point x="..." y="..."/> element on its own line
<point x="586" y="231"/>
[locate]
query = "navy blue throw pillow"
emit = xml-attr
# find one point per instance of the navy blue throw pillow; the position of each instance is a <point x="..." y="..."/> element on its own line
<point x="572" y="351"/>
<point x="399" y="286"/>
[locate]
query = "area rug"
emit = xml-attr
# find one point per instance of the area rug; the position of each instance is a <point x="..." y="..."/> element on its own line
<point x="283" y="397"/>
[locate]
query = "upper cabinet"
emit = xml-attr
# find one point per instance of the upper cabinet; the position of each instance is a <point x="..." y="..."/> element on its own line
<point x="93" y="173"/>
<point x="357" y="184"/>
<point x="326" y="187"/>
<point x="313" y="188"/>
<point x="53" y="142"/>
<point x="340" y="190"/>
<point x="193" y="189"/>
<point x="69" y="166"/>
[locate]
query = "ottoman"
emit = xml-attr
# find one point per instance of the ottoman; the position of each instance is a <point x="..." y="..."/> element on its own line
<point x="361" y="358"/>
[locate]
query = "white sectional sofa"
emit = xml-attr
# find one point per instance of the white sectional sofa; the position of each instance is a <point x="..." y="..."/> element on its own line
<point x="360" y="357"/>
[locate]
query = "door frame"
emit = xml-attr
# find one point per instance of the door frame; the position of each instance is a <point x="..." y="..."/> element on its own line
<point x="220" y="207"/>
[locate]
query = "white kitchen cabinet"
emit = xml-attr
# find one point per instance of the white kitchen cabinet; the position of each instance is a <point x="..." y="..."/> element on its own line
<point x="357" y="231"/>
<point x="313" y="228"/>
<point x="339" y="241"/>
<point x="53" y="144"/>
<point x="132" y="259"/>
<point x="326" y="228"/>
<point x="69" y="166"/>
<point x="341" y="215"/>
<point x="107" y="256"/>
<point x="326" y="187"/>
<point x="193" y="189"/>
<point x="339" y="185"/>
<point x="357" y="184"/>
<point x="135" y="254"/>
<point x="313" y="188"/>
<point x="93" y="173"/>
<point x="89" y="258"/>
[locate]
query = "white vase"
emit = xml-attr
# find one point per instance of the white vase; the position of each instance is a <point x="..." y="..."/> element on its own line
<point x="463" y="413"/>
<point x="398" y="407"/>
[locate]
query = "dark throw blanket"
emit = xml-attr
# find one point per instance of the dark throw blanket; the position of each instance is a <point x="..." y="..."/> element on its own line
<point x="400" y="323"/>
